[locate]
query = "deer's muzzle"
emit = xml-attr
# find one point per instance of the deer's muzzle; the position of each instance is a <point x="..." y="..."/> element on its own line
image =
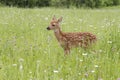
<point x="48" y="28"/>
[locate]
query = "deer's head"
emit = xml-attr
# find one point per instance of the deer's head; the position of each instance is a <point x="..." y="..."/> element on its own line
<point x="54" y="24"/>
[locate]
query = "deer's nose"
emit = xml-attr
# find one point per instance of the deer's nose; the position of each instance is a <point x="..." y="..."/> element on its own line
<point x="48" y="28"/>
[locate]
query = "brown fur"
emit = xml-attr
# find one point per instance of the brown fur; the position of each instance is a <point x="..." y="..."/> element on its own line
<point x="69" y="40"/>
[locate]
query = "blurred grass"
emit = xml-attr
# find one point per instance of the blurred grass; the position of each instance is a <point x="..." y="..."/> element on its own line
<point x="29" y="52"/>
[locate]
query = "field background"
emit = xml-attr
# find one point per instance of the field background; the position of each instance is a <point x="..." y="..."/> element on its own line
<point x="29" y="52"/>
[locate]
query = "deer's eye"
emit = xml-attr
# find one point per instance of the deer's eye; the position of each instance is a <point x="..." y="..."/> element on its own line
<point x="53" y="25"/>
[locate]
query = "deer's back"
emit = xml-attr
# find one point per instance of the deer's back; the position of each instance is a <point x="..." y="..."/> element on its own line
<point x="79" y="39"/>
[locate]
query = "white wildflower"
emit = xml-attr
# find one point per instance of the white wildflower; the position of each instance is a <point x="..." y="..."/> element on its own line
<point x="49" y="39"/>
<point x="81" y="20"/>
<point x="61" y="79"/>
<point x="100" y="50"/>
<point x="81" y="60"/>
<point x="92" y="71"/>
<point x="117" y="53"/>
<point x="109" y="42"/>
<point x="79" y="73"/>
<point x="30" y="72"/>
<point x="14" y="64"/>
<point x="45" y="71"/>
<point x="86" y="74"/>
<point x="102" y="26"/>
<point x="46" y="18"/>
<point x="100" y="79"/>
<point x="21" y="60"/>
<point x="21" y="67"/>
<point x="90" y="25"/>
<point x="84" y="54"/>
<point x="96" y="66"/>
<point x="55" y="71"/>
<point x="30" y="79"/>
<point x="38" y="61"/>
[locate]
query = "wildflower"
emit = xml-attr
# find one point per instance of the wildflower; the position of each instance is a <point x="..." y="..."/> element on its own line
<point x="109" y="42"/>
<point x="45" y="51"/>
<point x="45" y="71"/>
<point x="30" y="72"/>
<point x="38" y="64"/>
<point x="117" y="53"/>
<point x="102" y="26"/>
<point x="30" y="79"/>
<point x="61" y="79"/>
<point x="84" y="54"/>
<point x="46" y="18"/>
<point x="81" y="60"/>
<point x="90" y="25"/>
<point x="38" y="61"/>
<point x="86" y="74"/>
<point x="79" y="73"/>
<point x="69" y="69"/>
<point x="32" y="27"/>
<point x="55" y="71"/>
<point x="100" y="79"/>
<point x="75" y="29"/>
<point x="14" y="65"/>
<point x="96" y="66"/>
<point x="81" y="20"/>
<point x="92" y="71"/>
<point x="21" y="67"/>
<point x="100" y="50"/>
<point x="21" y="60"/>
<point x="49" y="39"/>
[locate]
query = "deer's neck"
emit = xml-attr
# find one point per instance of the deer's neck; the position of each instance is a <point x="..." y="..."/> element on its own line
<point x="58" y="33"/>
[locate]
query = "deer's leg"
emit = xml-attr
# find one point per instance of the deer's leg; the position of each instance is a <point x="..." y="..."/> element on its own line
<point x="67" y="50"/>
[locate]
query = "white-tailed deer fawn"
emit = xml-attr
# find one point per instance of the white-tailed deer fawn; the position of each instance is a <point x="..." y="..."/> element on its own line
<point x="69" y="40"/>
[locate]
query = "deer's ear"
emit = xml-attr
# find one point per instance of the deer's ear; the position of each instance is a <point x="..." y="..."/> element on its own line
<point x="54" y="18"/>
<point x="60" y="19"/>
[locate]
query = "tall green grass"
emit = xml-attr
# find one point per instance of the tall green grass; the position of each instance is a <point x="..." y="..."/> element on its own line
<point x="29" y="52"/>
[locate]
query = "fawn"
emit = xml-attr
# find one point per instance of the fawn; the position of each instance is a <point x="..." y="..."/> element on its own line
<point x="69" y="40"/>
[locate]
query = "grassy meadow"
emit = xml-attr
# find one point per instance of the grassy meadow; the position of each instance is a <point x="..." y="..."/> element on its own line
<point x="29" y="52"/>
